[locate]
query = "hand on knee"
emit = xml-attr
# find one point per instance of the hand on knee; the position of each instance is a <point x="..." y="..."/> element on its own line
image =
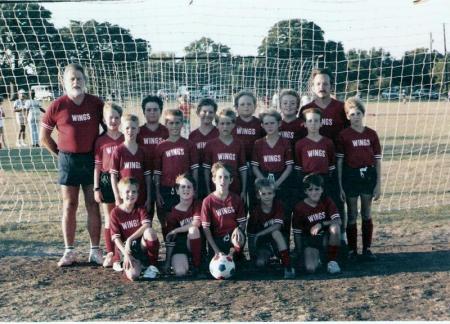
<point x="193" y="232"/>
<point x="150" y="235"/>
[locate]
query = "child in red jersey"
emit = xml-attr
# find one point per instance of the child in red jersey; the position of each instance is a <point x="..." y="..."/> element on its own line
<point x="206" y="111"/>
<point x="183" y="235"/>
<point x="264" y="228"/>
<point x="152" y="133"/>
<point x="103" y="192"/>
<point x="223" y="216"/>
<point x="316" y="154"/>
<point x="272" y="159"/>
<point x="228" y="150"/>
<point x="2" y="116"/>
<point x="314" y="222"/>
<point x="359" y="172"/>
<point x="247" y="130"/>
<point x="130" y="160"/>
<point x="174" y="156"/>
<point x="132" y="233"/>
<point x="333" y="115"/>
<point x="291" y="126"/>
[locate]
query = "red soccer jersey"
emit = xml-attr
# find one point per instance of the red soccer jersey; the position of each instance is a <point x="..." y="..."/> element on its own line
<point x="178" y="218"/>
<point x="123" y="224"/>
<point x="104" y="148"/>
<point x="173" y="159"/>
<point x="333" y="118"/>
<point x="232" y="155"/>
<point x="149" y="139"/>
<point x="306" y="216"/>
<point x="200" y="140"/>
<point x="260" y="220"/>
<point x="248" y="133"/>
<point x="315" y="157"/>
<point x="272" y="159"/>
<point x="78" y="126"/>
<point x="138" y="165"/>
<point x="359" y="149"/>
<point x="293" y="131"/>
<point x="222" y="216"/>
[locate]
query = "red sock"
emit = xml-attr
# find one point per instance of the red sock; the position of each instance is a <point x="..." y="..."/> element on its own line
<point x="332" y="252"/>
<point x="367" y="230"/>
<point x="352" y="237"/>
<point x="108" y="242"/>
<point x="152" y="251"/>
<point x="285" y="259"/>
<point x="196" y="250"/>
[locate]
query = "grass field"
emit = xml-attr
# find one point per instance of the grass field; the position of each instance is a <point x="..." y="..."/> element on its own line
<point x="410" y="280"/>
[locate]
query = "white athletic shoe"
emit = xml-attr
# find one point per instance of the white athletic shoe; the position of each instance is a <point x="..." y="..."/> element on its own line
<point x="108" y="262"/>
<point x="151" y="272"/>
<point x="96" y="256"/>
<point x="333" y="267"/>
<point x="117" y="267"/>
<point x="67" y="259"/>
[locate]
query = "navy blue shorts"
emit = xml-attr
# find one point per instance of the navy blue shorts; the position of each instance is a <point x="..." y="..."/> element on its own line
<point x="75" y="169"/>
<point x="170" y="197"/>
<point x="106" y="188"/>
<point x="360" y="181"/>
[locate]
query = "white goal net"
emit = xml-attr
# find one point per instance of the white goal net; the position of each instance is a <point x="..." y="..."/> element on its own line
<point x="406" y="94"/>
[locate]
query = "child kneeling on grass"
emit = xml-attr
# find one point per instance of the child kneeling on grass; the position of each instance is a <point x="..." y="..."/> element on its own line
<point x="315" y="224"/>
<point x="132" y="233"/>
<point x="264" y="228"/>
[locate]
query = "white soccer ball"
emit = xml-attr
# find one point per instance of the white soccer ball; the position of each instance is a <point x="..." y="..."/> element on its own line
<point x="222" y="266"/>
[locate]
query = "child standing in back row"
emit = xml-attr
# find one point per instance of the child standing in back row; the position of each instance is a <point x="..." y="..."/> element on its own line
<point x="104" y="148"/>
<point x="359" y="171"/>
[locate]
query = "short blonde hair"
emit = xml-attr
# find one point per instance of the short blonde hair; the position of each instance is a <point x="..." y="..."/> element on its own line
<point x="227" y="112"/>
<point x="128" y="181"/>
<point x="264" y="183"/>
<point x="220" y="165"/>
<point x="130" y="117"/>
<point x="290" y="92"/>
<point x="110" y="106"/>
<point x="354" y="102"/>
<point x="313" y="110"/>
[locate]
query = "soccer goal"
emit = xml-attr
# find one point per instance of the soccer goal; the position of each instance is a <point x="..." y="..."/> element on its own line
<point x="406" y="94"/>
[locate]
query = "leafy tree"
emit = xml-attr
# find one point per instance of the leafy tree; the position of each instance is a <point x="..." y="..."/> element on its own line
<point x="29" y="45"/>
<point x="206" y="47"/>
<point x="293" y="39"/>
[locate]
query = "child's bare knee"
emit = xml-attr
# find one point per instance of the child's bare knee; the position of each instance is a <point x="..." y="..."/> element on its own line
<point x="193" y="232"/>
<point x="150" y="234"/>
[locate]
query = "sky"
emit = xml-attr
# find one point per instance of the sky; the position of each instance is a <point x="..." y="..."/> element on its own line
<point x="170" y="25"/>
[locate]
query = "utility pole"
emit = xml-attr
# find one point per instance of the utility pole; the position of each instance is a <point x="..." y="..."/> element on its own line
<point x="445" y="60"/>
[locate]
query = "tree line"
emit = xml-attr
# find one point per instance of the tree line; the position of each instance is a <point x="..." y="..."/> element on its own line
<point x="33" y="50"/>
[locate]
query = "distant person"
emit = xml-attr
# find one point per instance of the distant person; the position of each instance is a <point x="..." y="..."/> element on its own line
<point x="276" y="101"/>
<point x="34" y="110"/>
<point x="77" y="117"/>
<point x="2" y="116"/>
<point x="20" y="110"/>
<point x="185" y="106"/>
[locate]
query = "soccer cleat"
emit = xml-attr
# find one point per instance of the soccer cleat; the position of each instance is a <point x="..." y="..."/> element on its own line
<point x="333" y="267"/>
<point x="289" y="273"/>
<point x="117" y="266"/>
<point x="151" y="272"/>
<point x="68" y="258"/>
<point x="367" y="255"/>
<point x="108" y="262"/>
<point x="96" y="256"/>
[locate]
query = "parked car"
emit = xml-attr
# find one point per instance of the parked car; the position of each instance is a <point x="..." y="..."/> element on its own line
<point x="425" y="94"/>
<point x="42" y="92"/>
<point x="390" y="94"/>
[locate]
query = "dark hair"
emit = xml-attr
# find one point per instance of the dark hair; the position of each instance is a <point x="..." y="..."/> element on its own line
<point x="154" y="99"/>
<point x="312" y="179"/>
<point x="313" y="110"/>
<point x="325" y="71"/>
<point x="206" y="102"/>
<point x="242" y="94"/>
<point x="271" y="113"/>
<point x="264" y="183"/>
<point x="174" y="113"/>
